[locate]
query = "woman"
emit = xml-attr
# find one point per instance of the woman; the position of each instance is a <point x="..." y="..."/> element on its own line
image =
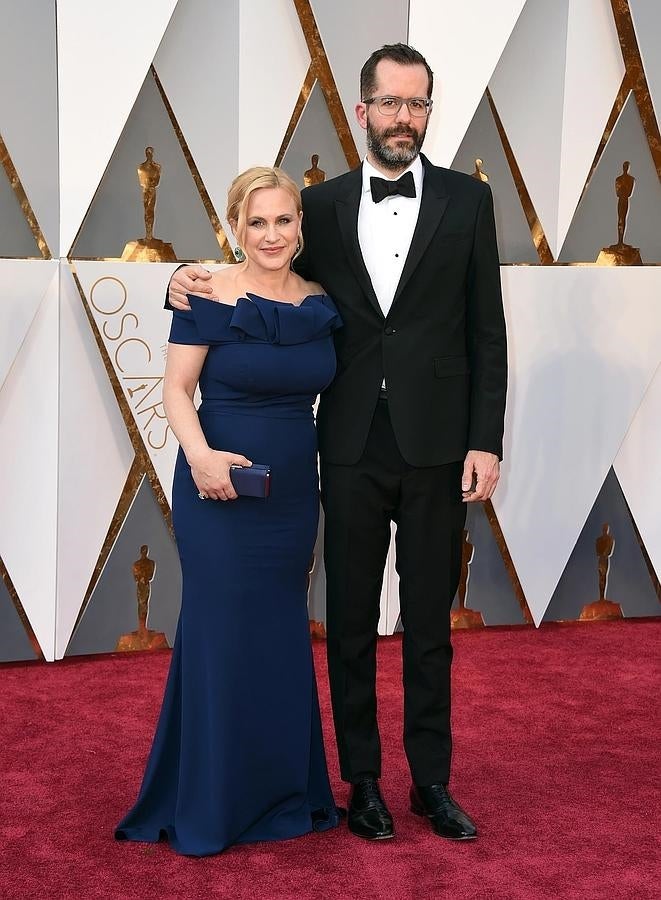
<point x="238" y="753"/>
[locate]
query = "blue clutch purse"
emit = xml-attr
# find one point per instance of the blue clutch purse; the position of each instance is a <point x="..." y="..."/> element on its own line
<point x="251" y="481"/>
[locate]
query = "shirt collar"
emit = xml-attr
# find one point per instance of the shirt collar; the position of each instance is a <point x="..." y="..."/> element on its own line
<point x="415" y="168"/>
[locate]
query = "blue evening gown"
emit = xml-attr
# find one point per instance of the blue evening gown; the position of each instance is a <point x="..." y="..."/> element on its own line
<point x="238" y="753"/>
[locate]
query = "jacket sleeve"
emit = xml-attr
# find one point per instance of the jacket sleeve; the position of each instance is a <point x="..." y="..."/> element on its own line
<point x="487" y="340"/>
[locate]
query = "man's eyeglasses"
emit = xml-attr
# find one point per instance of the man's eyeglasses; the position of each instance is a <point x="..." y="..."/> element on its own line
<point x="390" y="106"/>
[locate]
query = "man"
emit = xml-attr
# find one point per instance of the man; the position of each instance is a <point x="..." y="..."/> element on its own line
<point x="411" y="428"/>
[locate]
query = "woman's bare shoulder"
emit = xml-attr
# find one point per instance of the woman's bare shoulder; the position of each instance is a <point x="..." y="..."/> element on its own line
<point x="311" y="288"/>
<point x="223" y="282"/>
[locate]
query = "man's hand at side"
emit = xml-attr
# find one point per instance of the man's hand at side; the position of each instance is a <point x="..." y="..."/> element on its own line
<point x="481" y="472"/>
<point x="189" y="280"/>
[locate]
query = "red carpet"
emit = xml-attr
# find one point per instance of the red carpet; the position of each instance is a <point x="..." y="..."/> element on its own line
<point x="557" y="757"/>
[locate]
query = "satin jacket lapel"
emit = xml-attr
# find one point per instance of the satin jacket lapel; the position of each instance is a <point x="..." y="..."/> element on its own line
<point x="346" y="209"/>
<point x="432" y="209"/>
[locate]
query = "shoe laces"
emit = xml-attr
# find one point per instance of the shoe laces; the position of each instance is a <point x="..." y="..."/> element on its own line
<point x="442" y="795"/>
<point x="370" y="791"/>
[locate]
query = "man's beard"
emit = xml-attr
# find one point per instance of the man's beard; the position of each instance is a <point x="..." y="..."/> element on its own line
<point x="394" y="158"/>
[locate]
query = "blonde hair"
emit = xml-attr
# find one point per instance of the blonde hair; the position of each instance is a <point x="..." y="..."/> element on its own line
<point x="247" y="183"/>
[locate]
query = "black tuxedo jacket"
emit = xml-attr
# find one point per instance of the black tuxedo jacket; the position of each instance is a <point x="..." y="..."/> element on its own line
<point x="442" y="346"/>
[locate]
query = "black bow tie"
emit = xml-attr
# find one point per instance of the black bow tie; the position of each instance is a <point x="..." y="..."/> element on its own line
<point x="381" y="188"/>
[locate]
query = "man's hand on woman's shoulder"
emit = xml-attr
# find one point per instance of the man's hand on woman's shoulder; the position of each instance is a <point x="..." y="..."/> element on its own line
<point x="189" y="280"/>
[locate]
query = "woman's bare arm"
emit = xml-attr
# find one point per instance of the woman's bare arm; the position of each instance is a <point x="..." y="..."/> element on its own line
<point x="209" y="468"/>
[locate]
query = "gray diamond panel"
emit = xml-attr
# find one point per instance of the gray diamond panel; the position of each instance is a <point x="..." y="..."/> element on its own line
<point x="489" y="587"/>
<point x="116" y="215"/>
<point x="16" y="239"/>
<point x="112" y="610"/>
<point x="595" y="222"/>
<point x="315" y="133"/>
<point x="482" y="141"/>
<point x="14" y="642"/>
<point x="629" y="582"/>
<point x="350" y="32"/>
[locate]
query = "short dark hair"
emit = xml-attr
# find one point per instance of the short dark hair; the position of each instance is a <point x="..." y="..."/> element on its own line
<point x="401" y="54"/>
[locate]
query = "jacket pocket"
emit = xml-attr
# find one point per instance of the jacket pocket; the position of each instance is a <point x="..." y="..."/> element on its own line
<point x="446" y="366"/>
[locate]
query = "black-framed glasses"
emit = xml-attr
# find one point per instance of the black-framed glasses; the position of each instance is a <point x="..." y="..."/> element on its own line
<point x="390" y="106"/>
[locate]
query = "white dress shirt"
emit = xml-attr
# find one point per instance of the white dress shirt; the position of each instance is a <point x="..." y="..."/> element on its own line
<point x="385" y="232"/>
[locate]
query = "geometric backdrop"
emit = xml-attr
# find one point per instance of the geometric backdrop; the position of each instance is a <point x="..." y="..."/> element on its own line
<point x="552" y="98"/>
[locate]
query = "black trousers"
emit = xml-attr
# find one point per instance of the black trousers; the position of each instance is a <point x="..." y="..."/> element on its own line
<point x="359" y="503"/>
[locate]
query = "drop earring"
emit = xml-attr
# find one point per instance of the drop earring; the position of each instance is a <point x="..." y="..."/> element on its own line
<point x="239" y="254"/>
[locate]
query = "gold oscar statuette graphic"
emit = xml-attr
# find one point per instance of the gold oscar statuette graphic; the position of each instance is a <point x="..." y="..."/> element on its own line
<point x="462" y="617"/>
<point x="478" y="174"/>
<point x="602" y="608"/>
<point x="143" y="638"/>
<point x="149" y="248"/>
<point x="314" y="175"/>
<point x="621" y="254"/>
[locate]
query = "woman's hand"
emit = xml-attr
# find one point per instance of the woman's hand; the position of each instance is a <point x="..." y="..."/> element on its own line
<point x="211" y="473"/>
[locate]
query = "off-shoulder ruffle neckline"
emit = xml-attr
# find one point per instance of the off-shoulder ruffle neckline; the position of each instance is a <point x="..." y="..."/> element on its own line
<point x="263" y="319"/>
<point x="249" y="295"/>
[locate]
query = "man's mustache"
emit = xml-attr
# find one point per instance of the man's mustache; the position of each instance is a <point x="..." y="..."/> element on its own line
<point x="394" y="132"/>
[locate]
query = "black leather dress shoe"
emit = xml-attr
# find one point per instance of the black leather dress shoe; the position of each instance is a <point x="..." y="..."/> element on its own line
<point x="447" y="818"/>
<point x="368" y="815"/>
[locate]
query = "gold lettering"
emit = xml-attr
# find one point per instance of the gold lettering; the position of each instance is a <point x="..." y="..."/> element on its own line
<point x="165" y="439"/>
<point x="155" y="414"/>
<point x="146" y="380"/>
<point x="121" y="326"/>
<point x="108" y="312"/>
<point x="133" y="340"/>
